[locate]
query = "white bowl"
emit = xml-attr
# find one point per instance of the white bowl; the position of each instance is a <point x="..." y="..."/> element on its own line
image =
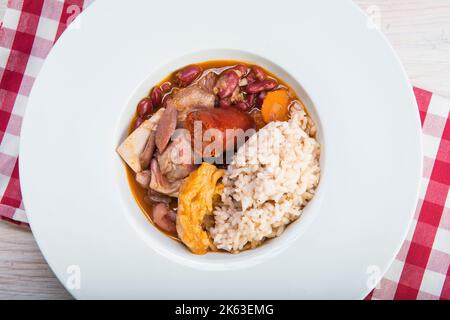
<point x="175" y="250"/>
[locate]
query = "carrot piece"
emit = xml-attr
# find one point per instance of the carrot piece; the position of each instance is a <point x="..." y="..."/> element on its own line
<point x="276" y="106"/>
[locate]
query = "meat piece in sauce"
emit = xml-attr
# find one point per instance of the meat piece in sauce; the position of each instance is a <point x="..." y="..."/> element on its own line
<point x="186" y="99"/>
<point x="143" y="178"/>
<point x="146" y="155"/>
<point x="159" y="182"/>
<point x="207" y="82"/>
<point x="164" y="218"/>
<point x="131" y="149"/>
<point x="166" y="127"/>
<point x="176" y="162"/>
<point x="155" y="197"/>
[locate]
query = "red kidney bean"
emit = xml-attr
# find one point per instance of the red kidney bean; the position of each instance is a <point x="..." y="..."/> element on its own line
<point x="224" y="103"/>
<point x="250" y="78"/>
<point x="243" y="70"/>
<point x="259" y="86"/>
<point x="187" y="75"/>
<point x="258" y="73"/>
<point x="156" y="96"/>
<point x="250" y="99"/>
<point x="138" y="122"/>
<point x="165" y="87"/>
<point x="260" y="99"/>
<point x="244" y="106"/>
<point x="226" y="84"/>
<point x="144" y="107"/>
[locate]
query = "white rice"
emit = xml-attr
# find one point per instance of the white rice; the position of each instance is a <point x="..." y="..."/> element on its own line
<point x="269" y="181"/>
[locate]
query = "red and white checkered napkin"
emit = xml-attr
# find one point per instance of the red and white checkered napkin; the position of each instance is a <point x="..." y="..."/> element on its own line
<point x="421" y="269"/>
<point x="27" y="33"/>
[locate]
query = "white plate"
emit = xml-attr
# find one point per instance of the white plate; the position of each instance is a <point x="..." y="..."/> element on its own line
<point x="77" y="198"/>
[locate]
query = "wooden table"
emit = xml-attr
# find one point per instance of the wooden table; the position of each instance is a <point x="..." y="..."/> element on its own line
<point x="419" y="30"/>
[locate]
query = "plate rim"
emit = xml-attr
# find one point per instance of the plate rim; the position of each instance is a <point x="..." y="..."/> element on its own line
<point x="420" y="143"/>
